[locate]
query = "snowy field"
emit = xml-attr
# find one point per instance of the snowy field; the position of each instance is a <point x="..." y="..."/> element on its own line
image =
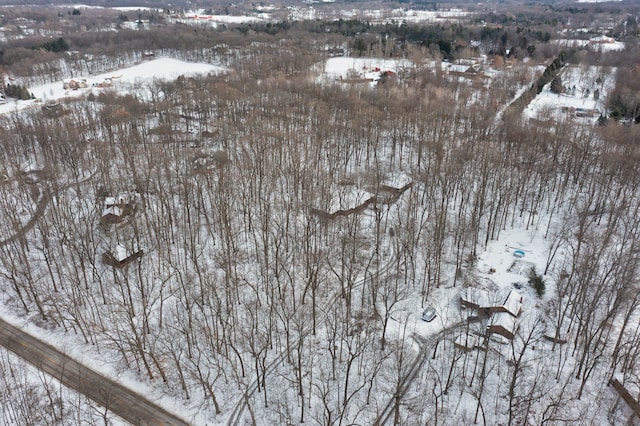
<point x="600" y="44"/>
<point x="200" y="17"/>
<point x="421" y="16"/>
<point x="583" y="98"/>
<point x="122" y="80"/>
<point x="366" y="69"/>
<point x="380" y="17"/>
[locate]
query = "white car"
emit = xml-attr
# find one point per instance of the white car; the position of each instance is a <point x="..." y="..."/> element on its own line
<point x="429" y="314"/>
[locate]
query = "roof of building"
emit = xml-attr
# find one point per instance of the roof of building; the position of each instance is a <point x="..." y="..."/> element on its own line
<point x="503" y="320"/>
<point x="475" y="296"/>
<point x="113" y="210"/>
<point x="513" y="303"/>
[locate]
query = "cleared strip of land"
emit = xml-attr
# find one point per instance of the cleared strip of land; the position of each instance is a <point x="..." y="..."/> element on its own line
<point x="117" y="398"/>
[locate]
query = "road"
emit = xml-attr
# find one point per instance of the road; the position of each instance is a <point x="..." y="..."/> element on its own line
<point x="47" y="196"/>
<point x="117" y="398"/>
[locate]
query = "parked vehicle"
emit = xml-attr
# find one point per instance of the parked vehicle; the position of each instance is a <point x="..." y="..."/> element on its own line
<point x="429" y="314"/>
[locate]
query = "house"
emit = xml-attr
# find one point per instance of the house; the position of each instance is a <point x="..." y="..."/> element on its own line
<point x="504" y="324"/>
<point x="471" y="71"/>
<point x="117" y="208"/>
<point x="107" y="82"/>
<point x="474" y="298"/>
<point x="503" y="316"/>
<point x="587" y="112"/>
<point x="120" y="257"/>
<point x="502" y="309"/>
<point x="335" y="51"/>
<point x="511" y="304"/>
<point x="602" y="40"/>
<point x="112" y="214"/>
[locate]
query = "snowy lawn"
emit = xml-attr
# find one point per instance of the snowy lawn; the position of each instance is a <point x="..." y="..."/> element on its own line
<point x="123" y="79"/>
<point x="583" y="98"/>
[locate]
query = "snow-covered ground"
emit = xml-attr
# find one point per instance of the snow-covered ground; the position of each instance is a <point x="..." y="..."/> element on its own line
<point x="421" y="16"/>
<point x="200" y="17"/>
<point x="73" y="346"/>
<point x="493" y="264"/>
<point x="584" y="96"/>
<point x="367" y="69"/>
<point x="123" y="79"/>
<point x="601" y="44"/>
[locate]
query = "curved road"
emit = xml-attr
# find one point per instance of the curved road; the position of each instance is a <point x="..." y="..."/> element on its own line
<point x="46" y="197"/>
<point x="115" y="397"/>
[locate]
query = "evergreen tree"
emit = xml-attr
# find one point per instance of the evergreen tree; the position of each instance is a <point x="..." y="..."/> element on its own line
<point x="556" y="85"/>
<point x="18" y="92"/>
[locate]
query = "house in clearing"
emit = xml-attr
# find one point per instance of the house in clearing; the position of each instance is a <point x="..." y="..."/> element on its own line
<point x="484" y="302"/>
<point x="503" y="319"/>
<point x="512" y="304"/>
<point x="501" y="309"/>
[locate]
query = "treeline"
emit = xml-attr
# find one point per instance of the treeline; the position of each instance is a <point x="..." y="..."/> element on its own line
<point x="624" y="101"/>
<point x="549" y="75"/>
<point x="449" y="40"/>
<point x="551" y="15"/>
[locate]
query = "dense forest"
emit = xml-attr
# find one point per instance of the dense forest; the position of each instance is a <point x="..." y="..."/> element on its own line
<point x="253" y="277"/>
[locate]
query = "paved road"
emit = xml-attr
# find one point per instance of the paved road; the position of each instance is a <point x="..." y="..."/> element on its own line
<point x="120" y="400"/>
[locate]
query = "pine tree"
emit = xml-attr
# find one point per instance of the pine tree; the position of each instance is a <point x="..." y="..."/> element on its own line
<point x="556" y="85"/>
